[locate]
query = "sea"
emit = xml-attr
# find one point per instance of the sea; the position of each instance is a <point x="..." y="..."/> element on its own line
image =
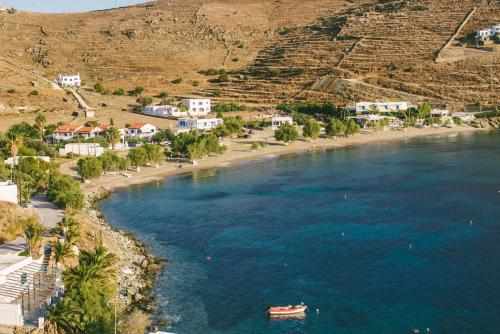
<point x="388" y="237"/>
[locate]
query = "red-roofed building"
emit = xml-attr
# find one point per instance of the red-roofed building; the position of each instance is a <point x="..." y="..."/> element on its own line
<point x="140" y="130"/>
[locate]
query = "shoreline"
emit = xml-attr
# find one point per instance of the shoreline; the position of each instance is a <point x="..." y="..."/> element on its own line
<point x="236" y="154"/>
<point x="138" y="267"/>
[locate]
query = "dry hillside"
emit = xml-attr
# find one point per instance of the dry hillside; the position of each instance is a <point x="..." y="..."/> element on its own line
<point x="279" y="49"/>
<point x="13" y="219"/>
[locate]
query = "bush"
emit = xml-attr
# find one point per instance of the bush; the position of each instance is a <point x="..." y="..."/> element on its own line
<point x="177" y="81"/>
<point x="163" y="95"/>
<point x="25" y="151"/>
<point x="335" y="127"/>
<point x="312" y="128"/>
<point x="64" y="192"/>
<point x="119" y="92"/>
<point x="195" y="83"/>
<point x="11" y="91"/>
<point x="286" y="133"/>
<point x="217" y="92"/>
<point x="34" y="93"/>
<point x="99" y="88"/>
<point x="225" y="107"/>
<point x="145" y="100"/>
<point x="223" y="77"/>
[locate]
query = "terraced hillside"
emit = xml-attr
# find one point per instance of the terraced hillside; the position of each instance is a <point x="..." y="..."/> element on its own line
<point x="383" y="49"/>
<point x="276" y="50"/>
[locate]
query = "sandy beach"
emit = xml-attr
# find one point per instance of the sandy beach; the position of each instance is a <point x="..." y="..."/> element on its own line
<point x="239" y="151"/>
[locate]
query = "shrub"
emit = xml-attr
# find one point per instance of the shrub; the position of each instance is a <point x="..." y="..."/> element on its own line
<point x="34" y="92"/>
<point x="195" y="83"/>
<point x="99" y="88"/>
<point x="119" y="92"/>
<point x="225" y="107"/>
<point x="286" y="133"/>
<point x="217" y="92"/>
<point x="11" y="91"/>
<point x="312" y="128"/>
<point x="177" y="81"/>
<point x="163" y="95"/>
<point x="223" y="77"/>
<point x="145" y="100"/>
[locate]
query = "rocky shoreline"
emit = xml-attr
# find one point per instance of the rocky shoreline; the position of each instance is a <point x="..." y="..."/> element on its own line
<point x="138" y="268"/>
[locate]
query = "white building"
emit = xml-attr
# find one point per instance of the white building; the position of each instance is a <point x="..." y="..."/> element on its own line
<point x="164" y="111"/>
<point x="69" y="131"/>
<point x="140" y="130"/>
<point x="378" y="106"/>
<point x="464" y="116"/>
<point x="488" y="33"/>
<point x="8" y="192"/>
<point x="185" y="124"/>
<point x="84" y="149"/>
<point x="278" y="121"/>
<point x="18" y="276"/>
<point x="197" y="107"/>
<point x="440" y="113"/>
<point x="69" y="80"/>
<point x="14" y="162"/>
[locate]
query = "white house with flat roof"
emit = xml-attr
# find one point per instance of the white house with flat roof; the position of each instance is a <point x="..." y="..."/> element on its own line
<point x="164" y="111"/>
<point x="204" y="124"/>
<point x="464" y="116"/>
<point x="440" y="113"/>
<point x="197" y="107"/>
<point x="377" y="106"/>
<point x="8" y="192"/>
<point x="69" y="80"/>
<point x="83" y="149"/>
<point x="488" y="33"/>
<point x="278" y="121"/>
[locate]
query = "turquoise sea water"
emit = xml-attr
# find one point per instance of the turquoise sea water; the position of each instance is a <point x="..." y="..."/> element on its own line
<point x="332" y="229"/>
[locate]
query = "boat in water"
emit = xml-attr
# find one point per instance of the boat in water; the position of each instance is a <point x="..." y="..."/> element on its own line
<point x="287" y="311"/>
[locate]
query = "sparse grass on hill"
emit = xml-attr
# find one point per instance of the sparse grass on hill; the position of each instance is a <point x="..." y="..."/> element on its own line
<point x="13" y="220"/>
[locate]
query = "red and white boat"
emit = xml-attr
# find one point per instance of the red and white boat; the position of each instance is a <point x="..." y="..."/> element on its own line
<point x="287" y="310"/>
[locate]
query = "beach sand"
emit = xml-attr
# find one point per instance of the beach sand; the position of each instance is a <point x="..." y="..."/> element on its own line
<point x="239" y="151"/>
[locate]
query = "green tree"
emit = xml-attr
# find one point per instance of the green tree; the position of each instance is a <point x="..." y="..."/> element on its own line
<point x="65" y="317"/>
<point x="40" y="121"/>
<point x="286" y="133"/>
<point x="196" y="151"/>
<point x="124" y="164"/>
<point x="424" y="110"/>
<point x="162" y="135"/>
<point x="113" y="136"/>
<point x="89" y="168"/>
<point x="64" y="192"/>
<point x="138" y="157"/>
<point x="155" y="153"/>
<point x="335" y="127"/>
<point x="33" y="236"/>
<point x="163" y="95"/>
<point x="109" y="161"/>
<point x="312" y="129"/>
<point x="351" y="127"/>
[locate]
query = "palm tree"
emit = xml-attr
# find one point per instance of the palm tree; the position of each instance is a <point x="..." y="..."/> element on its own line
<point x="33" y="235"/>
<point x="66" y="224"/>
<point x="61" y="252"/>
<point x="65" y="317"/>
<point x="40" y="122"/>
<point x="72" y="236"/>
<point x="97" y="264"/>
<point x="113" y="136"/>
<point x="14" y="143"/>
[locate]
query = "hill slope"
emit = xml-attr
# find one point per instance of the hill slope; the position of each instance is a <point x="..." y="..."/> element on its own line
<point x="286" y="49"/>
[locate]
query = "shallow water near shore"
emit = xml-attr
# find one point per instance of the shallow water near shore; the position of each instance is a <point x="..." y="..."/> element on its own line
<point x="378" y="238"/>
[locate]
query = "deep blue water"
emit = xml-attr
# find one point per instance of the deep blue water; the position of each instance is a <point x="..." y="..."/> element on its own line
<point x="274" y="231"/>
